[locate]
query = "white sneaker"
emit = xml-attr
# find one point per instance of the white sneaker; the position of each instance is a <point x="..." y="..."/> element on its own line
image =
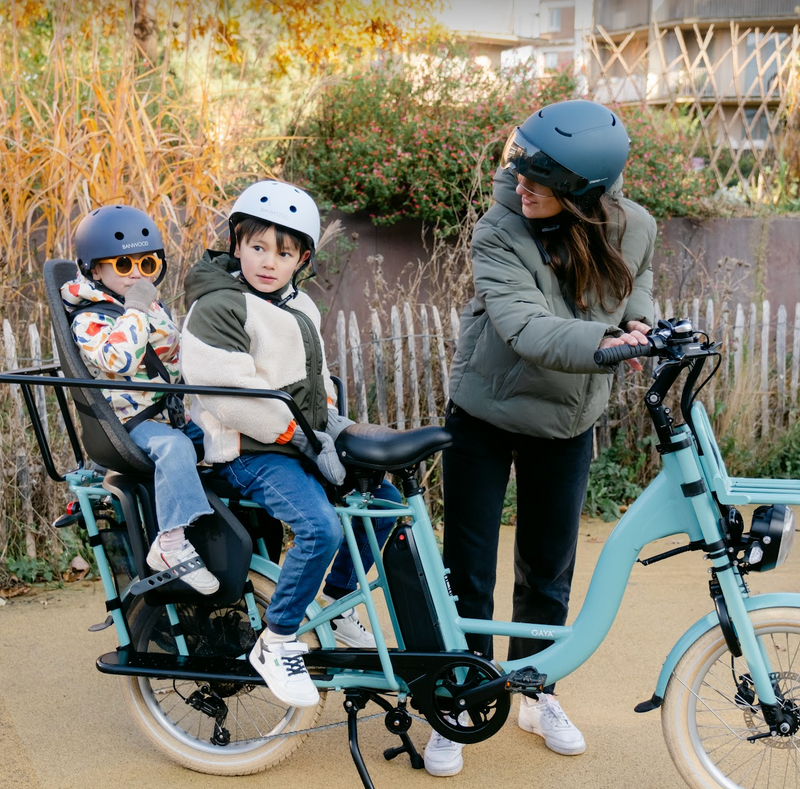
<point x="282" y="668"/>
<point x="546" y="718"/>
<point x="443" y="757"/>
<point x="348" y="630"/>
<point x="201" y="580"/>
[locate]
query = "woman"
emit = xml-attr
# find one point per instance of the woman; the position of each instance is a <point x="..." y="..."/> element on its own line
<point x="562" y="267"/>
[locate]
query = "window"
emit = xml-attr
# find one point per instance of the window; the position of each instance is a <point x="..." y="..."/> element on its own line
<point x="555" y="19"/>
<point x="759" y="129"/>
<point x="551" y="60"/>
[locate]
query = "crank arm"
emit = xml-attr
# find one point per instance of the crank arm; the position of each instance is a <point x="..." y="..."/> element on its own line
<point x="523" y="680"/>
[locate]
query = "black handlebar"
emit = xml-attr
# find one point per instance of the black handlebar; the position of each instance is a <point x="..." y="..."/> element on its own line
<point x="617" y="353"/>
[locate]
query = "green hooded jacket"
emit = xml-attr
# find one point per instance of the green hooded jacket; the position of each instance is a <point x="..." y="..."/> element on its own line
<point x="236" y="337"/>
<point x="524" y="359"/>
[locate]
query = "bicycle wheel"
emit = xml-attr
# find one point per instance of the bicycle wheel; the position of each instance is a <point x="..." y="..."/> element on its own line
<point x="708" y="714"/>
<point x="214" y="727"/>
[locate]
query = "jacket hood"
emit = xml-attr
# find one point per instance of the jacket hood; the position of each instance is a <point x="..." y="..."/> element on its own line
<point x="79" y="291"/>
<point x="505" y="185"/>
<point x="214" y="271"/>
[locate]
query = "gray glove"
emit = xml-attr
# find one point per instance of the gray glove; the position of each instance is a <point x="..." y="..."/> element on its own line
<point x="140" y="295"/>
<point x="336" y="423"/>
<point x="327" y="460"/>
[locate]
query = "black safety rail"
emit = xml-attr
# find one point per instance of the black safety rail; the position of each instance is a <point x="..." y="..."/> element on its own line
<point x="49" y="376"/>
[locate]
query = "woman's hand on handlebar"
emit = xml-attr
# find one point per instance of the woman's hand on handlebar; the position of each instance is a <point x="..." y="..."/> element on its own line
<point x="635" y="335"/>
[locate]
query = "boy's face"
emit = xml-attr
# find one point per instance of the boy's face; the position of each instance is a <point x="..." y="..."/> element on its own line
<point x="267" y="268"/>
<point x="104" y="272"/>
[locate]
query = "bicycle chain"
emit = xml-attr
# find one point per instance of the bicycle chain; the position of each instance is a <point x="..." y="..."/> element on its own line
<point x="315" y="729"/>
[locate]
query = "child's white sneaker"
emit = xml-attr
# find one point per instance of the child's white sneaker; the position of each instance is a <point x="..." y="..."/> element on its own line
<point x="201" y="580"/>
<point x="544" y="716"/>
<point x="281" y="666"/>
<point x="347" y="628"/>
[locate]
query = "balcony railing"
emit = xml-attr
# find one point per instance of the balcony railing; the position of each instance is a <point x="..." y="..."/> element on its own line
<point x="675" y="11"/>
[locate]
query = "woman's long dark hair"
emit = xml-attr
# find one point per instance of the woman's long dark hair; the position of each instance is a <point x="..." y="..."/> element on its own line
<point x="585" y="254"/>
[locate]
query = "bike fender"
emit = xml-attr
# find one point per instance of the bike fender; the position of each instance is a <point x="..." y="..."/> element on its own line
<point x="756" y="603"/>
<point x="262" y="566"/>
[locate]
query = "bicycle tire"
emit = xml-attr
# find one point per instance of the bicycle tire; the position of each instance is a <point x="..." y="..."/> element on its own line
<point x="706" y="717"/>
<point x="260" y="727"/>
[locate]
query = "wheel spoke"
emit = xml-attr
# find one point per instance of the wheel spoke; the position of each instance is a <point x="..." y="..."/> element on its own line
<point x="700" y="710"/>
<point x="262" y="730"/>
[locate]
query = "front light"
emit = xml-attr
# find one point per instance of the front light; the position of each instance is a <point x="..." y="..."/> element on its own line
<point x="771" y="537"/>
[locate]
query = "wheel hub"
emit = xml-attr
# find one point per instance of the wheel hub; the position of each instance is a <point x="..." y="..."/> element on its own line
<point x="790" y="726"/>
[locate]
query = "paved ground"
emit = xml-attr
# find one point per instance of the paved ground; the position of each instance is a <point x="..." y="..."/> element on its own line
<point x="63" y="724"/>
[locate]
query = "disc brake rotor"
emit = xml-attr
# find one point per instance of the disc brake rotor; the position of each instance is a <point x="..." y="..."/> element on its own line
<point x="785" y="681"/>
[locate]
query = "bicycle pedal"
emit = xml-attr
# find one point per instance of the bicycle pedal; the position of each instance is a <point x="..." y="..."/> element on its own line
<point x="525" y="680"/>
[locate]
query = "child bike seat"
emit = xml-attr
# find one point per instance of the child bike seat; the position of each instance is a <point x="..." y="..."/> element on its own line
<point x="385" y="449"/>
<point x="104" y="438"/>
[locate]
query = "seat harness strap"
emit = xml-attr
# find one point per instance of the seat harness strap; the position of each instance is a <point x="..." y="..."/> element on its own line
<point x="173" y="403"/>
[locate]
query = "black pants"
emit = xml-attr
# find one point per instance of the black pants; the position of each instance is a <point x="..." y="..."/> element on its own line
<point x="552" y="475"/>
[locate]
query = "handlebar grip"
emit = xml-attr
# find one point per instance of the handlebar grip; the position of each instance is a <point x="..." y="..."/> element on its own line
<point x="617" y="353"/>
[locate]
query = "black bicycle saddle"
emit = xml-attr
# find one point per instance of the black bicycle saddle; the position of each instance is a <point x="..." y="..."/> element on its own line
<point x="385" y="449"/>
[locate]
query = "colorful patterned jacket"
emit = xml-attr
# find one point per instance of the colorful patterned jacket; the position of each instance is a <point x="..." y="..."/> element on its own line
<point x="113" y="347"/>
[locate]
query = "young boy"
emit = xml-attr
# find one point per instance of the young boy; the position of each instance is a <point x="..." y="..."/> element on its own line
<point x="124" y="334"/>
<point x="249" y="326"/>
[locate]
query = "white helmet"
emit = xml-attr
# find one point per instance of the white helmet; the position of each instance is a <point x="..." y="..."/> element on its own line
<point x="281" y="204"/>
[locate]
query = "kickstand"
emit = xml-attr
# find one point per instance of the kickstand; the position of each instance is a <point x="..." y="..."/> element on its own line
<point x="354" y="701"/>
<point x="398" y="721"/>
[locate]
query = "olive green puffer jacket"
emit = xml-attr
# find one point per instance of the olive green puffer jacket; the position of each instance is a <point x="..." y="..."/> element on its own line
<point x="524" y="359"/>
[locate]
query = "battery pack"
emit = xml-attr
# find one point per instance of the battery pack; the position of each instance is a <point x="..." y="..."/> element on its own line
<point x="411" y="596"/>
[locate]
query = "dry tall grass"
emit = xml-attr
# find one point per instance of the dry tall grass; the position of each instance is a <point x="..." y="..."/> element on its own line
<point x="82" y="125"/>
<point x="90" y="130"/>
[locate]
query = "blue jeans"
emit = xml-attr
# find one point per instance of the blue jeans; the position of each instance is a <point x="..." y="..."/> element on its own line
<point x="282" y="486"/>
<point x="342" y="577"/>
<point x="179" y="494"/>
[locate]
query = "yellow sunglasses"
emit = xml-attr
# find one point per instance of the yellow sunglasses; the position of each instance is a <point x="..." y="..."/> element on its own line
<point x="149" y="265"/>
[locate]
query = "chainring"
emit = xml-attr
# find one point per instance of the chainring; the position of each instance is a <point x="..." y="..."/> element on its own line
<point x="471" y="723"/>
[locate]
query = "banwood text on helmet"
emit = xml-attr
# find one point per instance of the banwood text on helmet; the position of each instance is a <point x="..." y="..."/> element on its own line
<point x="116" y="230"/>
<point x="574" y="147"/>
<point x="280" y="204"/>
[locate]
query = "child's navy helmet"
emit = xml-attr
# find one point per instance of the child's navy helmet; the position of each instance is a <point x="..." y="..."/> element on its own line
<point x="116" y="230"/>
<point x="278" y="203"/>
<point x="574" y="147"/>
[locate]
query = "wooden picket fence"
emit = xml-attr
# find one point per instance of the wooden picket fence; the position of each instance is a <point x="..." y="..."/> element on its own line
<point x="395" y="373"/>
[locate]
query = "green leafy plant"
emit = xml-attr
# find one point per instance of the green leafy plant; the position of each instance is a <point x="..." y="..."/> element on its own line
<point x="659" y="173"/>
<point x="614" y="478"/>
<point x="423" y="140"/>
<point x="416" y="140"/>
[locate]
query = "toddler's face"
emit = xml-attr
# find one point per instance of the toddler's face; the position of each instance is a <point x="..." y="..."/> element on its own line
<point x="105" y="272"/>
<point x="267" y="268"/>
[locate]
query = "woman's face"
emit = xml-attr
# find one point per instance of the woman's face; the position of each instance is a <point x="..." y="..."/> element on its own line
<point x="538" y="202"/>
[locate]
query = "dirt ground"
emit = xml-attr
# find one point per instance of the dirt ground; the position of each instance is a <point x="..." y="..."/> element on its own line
<point x="63" y="724"/>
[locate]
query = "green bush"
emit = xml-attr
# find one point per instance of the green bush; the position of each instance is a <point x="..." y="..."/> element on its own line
<point x="613" y="478"/>
<point x="423" y="142"/>
<point x="659" y="173"/>
<point x="404" y="142"/>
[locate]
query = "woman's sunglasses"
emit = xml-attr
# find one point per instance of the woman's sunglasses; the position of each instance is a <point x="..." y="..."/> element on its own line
<point x="535" y="194"/>
<point x="149" y="265"/>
